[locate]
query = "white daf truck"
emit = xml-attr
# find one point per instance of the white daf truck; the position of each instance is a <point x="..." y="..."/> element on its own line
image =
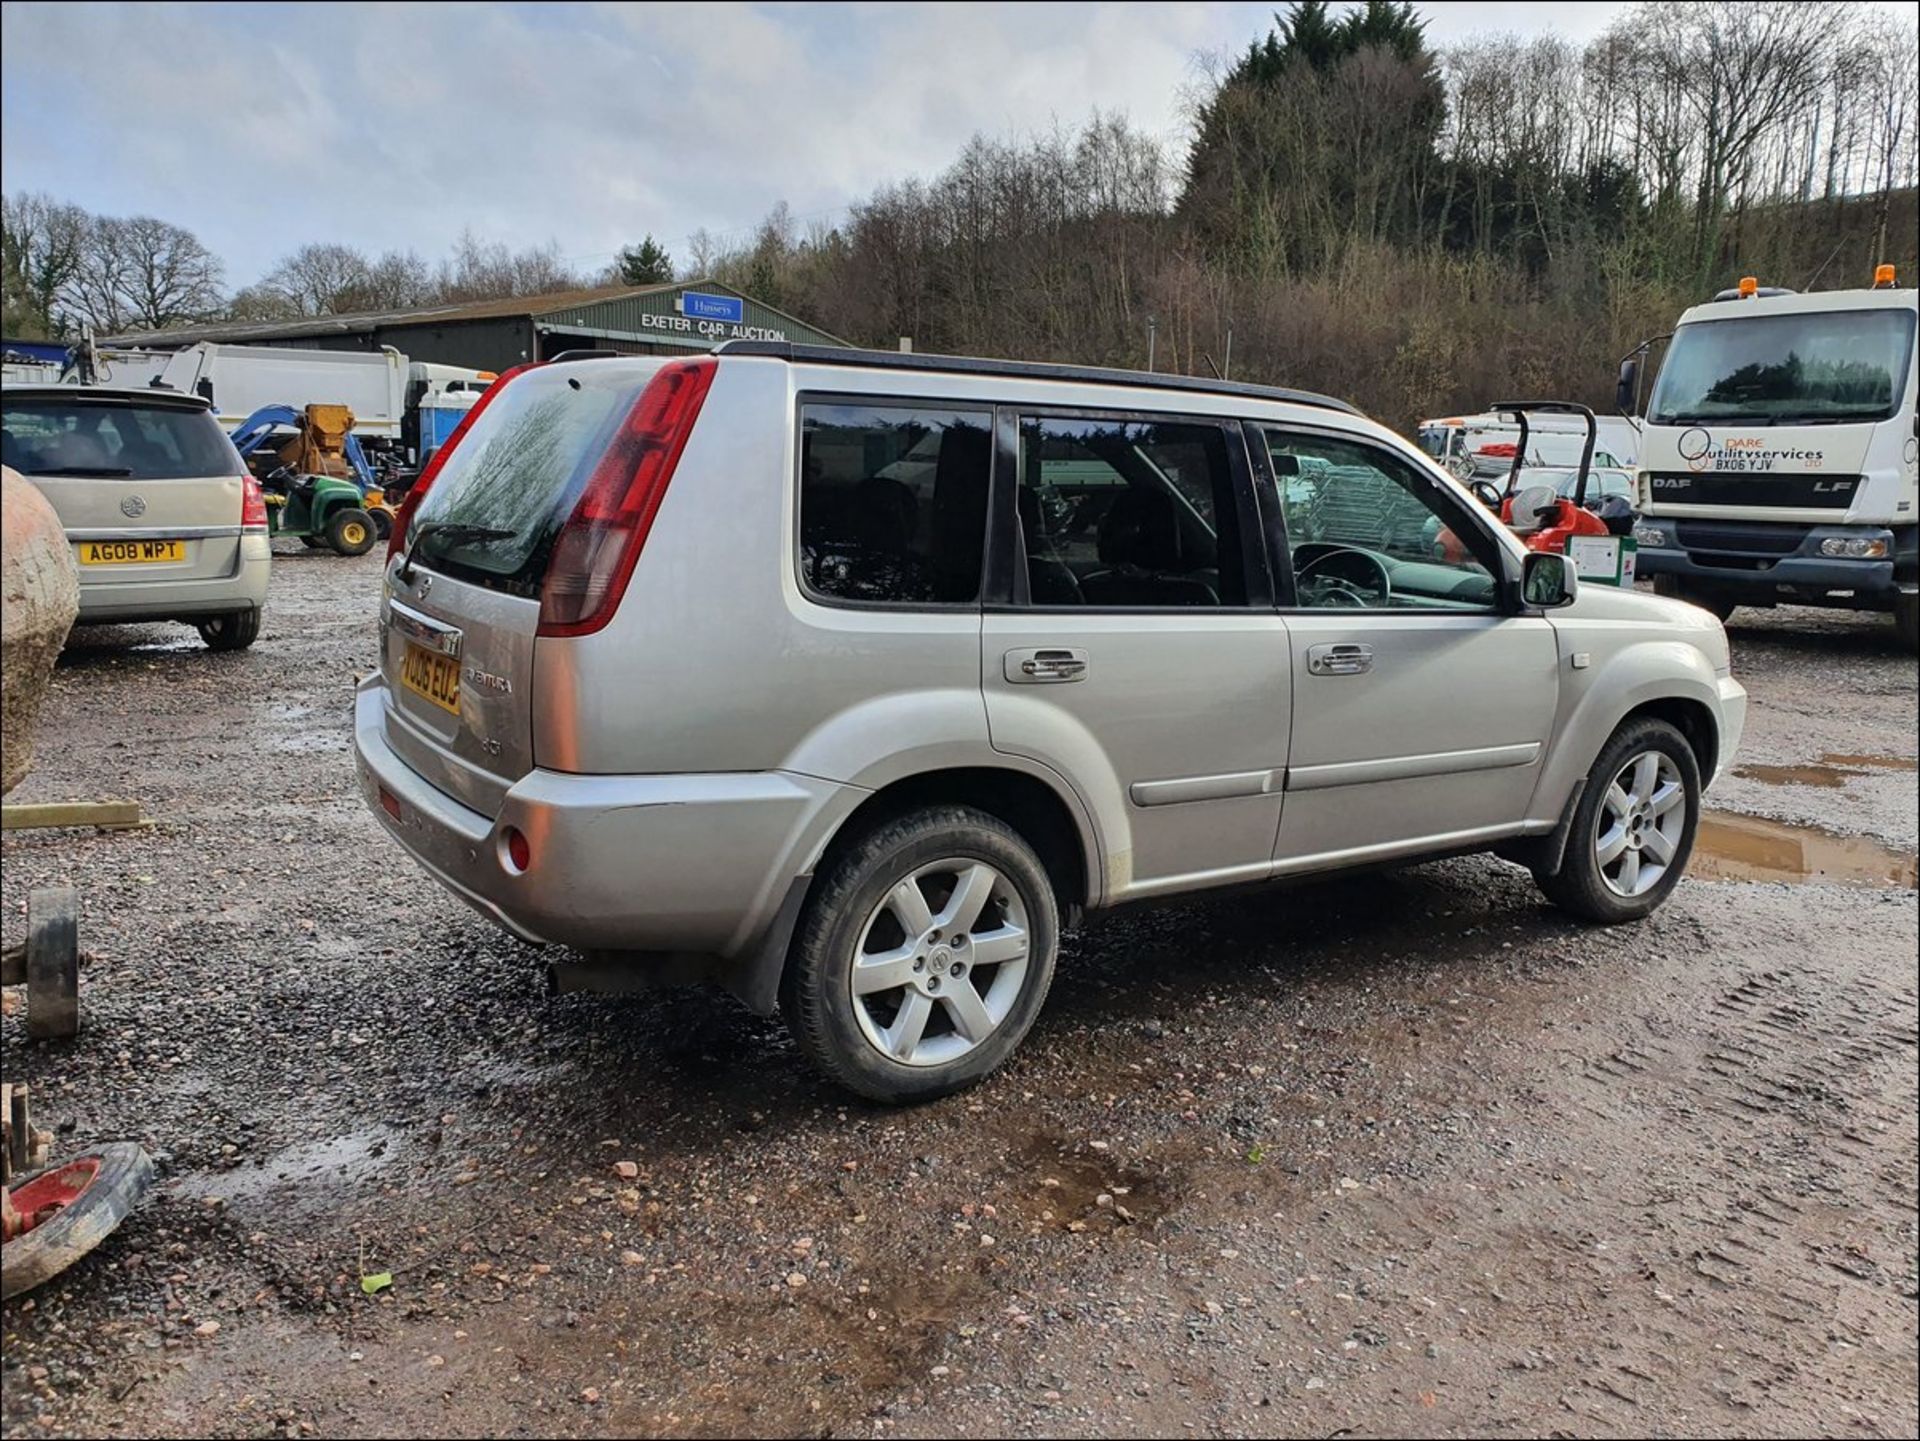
<point x="1778" y="458"/>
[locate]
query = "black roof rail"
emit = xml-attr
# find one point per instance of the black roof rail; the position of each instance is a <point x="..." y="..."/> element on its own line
<point x="1022" y="370"/>
<point x="567" y="355"/>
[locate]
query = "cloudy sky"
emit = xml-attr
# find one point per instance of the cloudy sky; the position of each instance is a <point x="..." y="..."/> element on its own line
<point x="261" y="127"/>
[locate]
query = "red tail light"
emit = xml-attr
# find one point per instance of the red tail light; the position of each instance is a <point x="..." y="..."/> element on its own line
<point x="403" y="517"/>
<point x="253" y="504"/>
<point x="594" y="555"/>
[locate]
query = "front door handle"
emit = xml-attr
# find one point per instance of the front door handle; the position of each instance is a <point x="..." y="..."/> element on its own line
<point x="1046" y="665"/>
<point x="1342" y="658"/>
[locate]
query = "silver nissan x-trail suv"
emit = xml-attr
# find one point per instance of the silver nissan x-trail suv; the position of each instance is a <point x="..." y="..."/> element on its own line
<point x="846" y="678"/>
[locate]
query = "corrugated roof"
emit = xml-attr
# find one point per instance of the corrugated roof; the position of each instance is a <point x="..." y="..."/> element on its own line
<point x="532" y="305"/>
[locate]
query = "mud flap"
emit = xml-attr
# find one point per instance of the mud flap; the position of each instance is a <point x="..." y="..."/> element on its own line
<point x="1544" y="855"/>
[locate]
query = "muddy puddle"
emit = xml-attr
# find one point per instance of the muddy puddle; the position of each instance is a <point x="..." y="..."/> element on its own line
<point x="310" y="1168"/>
<point x="1830" y="772"/>
<point x="1747" y="848"/>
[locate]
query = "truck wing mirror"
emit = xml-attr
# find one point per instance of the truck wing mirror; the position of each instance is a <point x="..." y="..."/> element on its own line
<point x="1626" y="389"/>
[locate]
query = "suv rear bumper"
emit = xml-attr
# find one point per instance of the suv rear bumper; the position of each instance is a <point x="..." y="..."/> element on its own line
<point x="666" y="863"/>
<point x="244" y="588"/>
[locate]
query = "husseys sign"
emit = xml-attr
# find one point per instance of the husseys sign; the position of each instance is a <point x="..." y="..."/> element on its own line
<point x="711" y="317"/>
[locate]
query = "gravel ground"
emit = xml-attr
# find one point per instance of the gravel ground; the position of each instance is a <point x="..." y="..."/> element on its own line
<point x="1405" y="1153"/>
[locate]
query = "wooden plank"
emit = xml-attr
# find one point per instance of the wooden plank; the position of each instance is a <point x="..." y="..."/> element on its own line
<point x="107" y="815"/>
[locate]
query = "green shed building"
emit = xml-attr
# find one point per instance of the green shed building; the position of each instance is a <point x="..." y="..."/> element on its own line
<point x="673" y="319"/>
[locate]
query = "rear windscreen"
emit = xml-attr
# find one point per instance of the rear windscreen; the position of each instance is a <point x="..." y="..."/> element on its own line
<point x="103" y="436"/>
<point x="520" y="469"/>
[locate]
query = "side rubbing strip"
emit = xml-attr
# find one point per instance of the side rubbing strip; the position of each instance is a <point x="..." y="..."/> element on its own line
<point x="1402" y="768"/>
<point x="1204" y="788"/>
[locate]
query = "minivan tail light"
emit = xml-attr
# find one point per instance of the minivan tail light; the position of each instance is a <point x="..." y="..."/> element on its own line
<point x="594" y="555"/>
<point x="253" y="504"/>
<point x="397" y="539"/>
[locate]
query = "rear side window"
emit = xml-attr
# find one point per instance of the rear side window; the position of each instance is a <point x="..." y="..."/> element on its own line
<point x="1129" y="514"/>
<point x="115" y="439"/>
<point x="893" y="502"/>
<point x="520" y="470"/>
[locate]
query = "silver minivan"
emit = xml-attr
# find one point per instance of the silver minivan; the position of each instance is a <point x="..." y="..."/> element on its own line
<point x="847" y="679"/>
<point x="165" y="521"/>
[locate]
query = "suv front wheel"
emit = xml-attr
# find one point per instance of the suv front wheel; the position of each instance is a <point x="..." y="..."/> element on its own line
<point x="923" y="955"/>
<point x="1634" y="828"/>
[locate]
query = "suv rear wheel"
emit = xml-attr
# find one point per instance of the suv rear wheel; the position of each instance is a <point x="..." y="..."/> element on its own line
<point x="1634" y="828"/>
<point x="923" y="956"/>
<point x="236" y="630"/>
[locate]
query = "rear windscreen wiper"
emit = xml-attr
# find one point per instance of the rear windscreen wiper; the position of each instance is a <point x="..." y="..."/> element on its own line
<point x="453" y="530"/>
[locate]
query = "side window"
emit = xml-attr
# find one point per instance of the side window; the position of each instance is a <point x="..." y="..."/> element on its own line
<point x="1126" y="513"/>
<point x="893" y="502"/>
<point x="1366" y="530"/>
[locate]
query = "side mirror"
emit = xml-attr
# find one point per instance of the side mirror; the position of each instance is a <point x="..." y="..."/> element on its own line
<point x="1548" y="581"/>
<point x="1626" y="390"/>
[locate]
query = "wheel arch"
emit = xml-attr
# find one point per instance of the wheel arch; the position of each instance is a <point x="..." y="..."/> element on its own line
<point x="1041" y="811"/>
<point x="1693" y="718"/>
<point x="1043" y="817"/>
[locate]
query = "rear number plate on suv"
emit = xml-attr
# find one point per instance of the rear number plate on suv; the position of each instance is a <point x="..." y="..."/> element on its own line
<point x="430" y="674"/>
<point x="131" y="552"/>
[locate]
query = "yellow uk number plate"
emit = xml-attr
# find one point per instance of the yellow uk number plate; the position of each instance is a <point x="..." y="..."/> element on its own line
<point x="430" y="674"/>
<point x="131" y="552"/>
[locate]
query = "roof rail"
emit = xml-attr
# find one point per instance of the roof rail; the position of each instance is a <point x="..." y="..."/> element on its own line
<point x="1022" y="370"/>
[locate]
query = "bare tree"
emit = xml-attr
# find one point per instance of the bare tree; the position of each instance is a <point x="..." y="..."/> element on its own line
<point x="322" y="279"/>
<point x="1891" y="70"/>
<point x="482" y="270"/>
<point x="142" y="272"/>
<point x="702" y="251"/>
<point x="43" y="243"/>
<point x="1745" y="69"/>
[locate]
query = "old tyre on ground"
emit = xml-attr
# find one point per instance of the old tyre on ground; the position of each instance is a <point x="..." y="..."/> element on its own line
<point x="1676" y="587"/>
<point x="923" y="955"/>
<point x="1634" y="828"/>
<point x="350" y="530"/>
<point x="53" y="962"/>
<point x="236" y="630"/>
<point x="92" y="1196"/>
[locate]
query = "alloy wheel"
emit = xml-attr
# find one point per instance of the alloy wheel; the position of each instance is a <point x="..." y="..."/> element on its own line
<point x="940" y="962"/>
<point x="1642" y="821"/>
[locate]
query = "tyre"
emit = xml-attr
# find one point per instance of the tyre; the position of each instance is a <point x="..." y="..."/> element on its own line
<point x="350" y="530"/>
<point x="1676" y="588"/>
<point x="97" y="1191"/>
<point x="313" y="542"/>
<point x="236" y="630"/>
<point x="1634" y="828"/>
<point x="923" y="955"/>
<point x="1906" y="622"/>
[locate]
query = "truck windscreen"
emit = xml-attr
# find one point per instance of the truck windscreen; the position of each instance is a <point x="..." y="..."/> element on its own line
<point x="1808" y="369"/>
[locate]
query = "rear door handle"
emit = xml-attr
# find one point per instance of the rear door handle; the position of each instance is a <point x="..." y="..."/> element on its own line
<point x="1342" y="658"/>
<point x="1046" y="665"/>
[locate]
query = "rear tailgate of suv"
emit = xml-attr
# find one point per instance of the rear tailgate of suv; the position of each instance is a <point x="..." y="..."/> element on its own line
<point x="463" y="606"/>
<point x="149" y="488"/>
